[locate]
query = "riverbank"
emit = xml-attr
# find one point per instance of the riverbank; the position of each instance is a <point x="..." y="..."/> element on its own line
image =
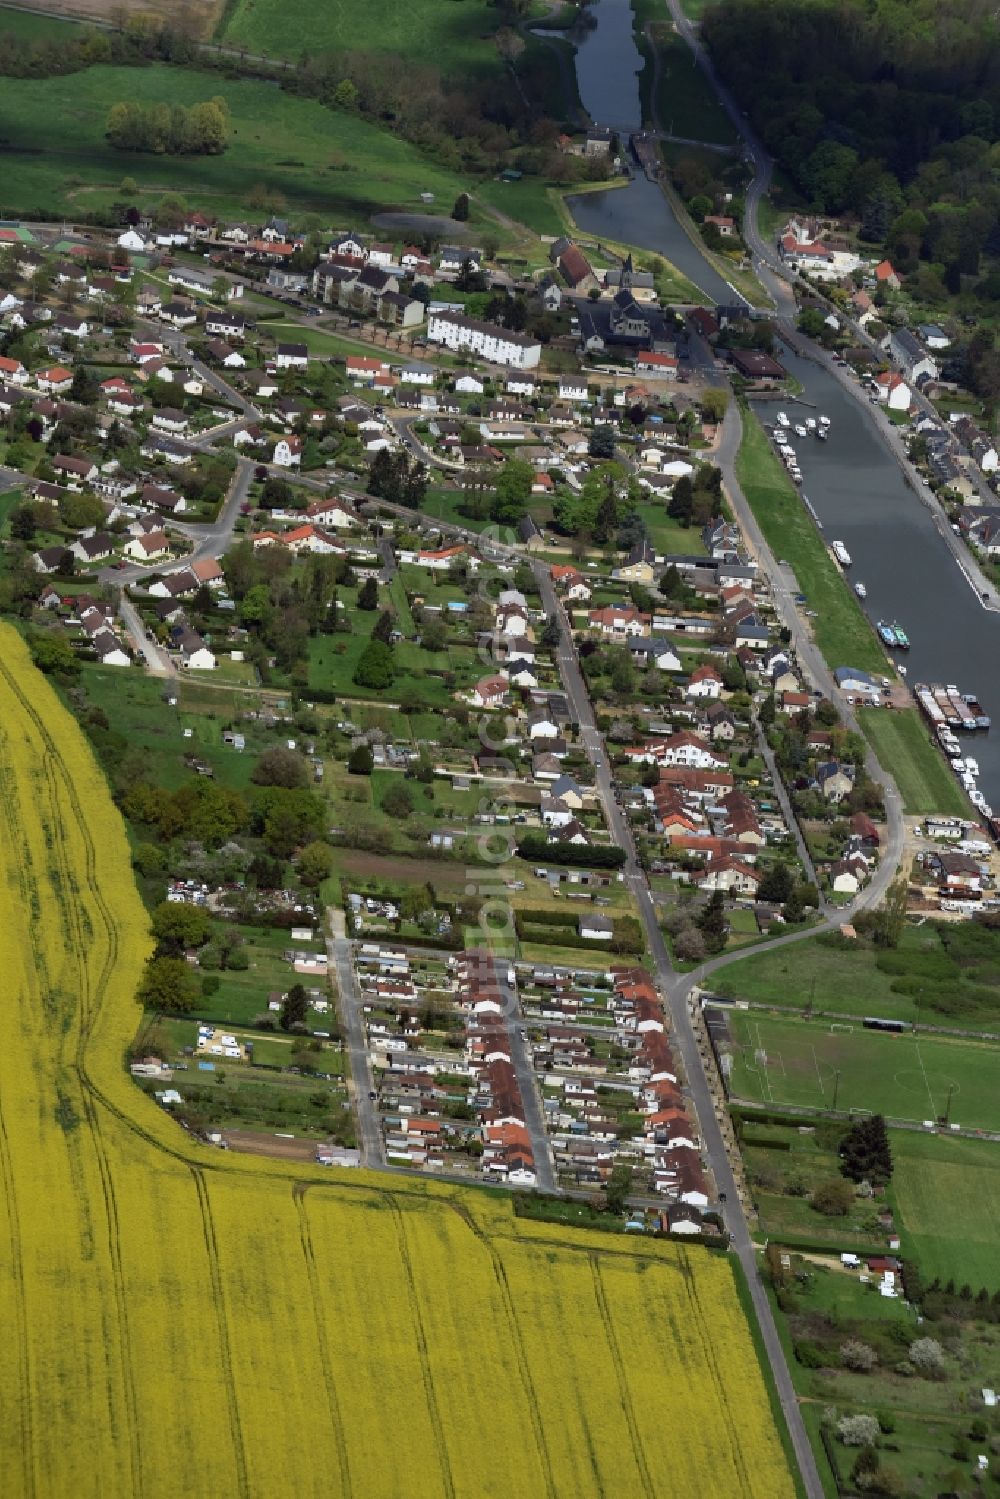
<point x="841" y="630"/>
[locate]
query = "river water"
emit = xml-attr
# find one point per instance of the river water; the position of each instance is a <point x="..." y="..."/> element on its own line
<point x="608" y="64"/>
<point x="859" y="493"/>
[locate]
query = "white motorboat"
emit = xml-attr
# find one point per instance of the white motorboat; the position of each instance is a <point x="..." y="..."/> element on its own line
<point x="861" y="590"/>
<point x="971" y="765"/>
<point x="783" y="420"/>
<point x="810" y="424"/>
<point x="800" y="431"/>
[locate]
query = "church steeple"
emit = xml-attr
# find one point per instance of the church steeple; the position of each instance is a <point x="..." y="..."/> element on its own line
<point x="625" y="283"/>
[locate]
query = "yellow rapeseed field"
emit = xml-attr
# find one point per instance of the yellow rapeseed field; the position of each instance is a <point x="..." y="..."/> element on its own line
<point x="179" y="1321"/>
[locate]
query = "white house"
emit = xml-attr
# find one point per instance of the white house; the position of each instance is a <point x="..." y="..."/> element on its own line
<point x="469" y="385"/>
<point x="572" y="388"/>
<point x="705" y="682"/>
<point x="132" y="241"/>
<point x="893" y="391"/>
<point x="287" y="452"/>
<point x="489" y="341"/>
<point x="291" y="357"/>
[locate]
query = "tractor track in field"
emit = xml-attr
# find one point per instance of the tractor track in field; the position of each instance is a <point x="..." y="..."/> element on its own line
<point x="701" y="1321"/>
<point x="330" y="1383"/>
<point x="523" y="1363"/>
<point x="58" y="780"/>
<point x="222" y="1323"/>
<point x="621" y="1373"/>
<point x="420" y="1334"/>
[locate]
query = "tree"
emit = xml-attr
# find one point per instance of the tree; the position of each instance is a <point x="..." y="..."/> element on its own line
<point x="168" y="984"/>
<point x="294" y="1008"/>
<point x="368" y="594"/>
<point x="460" y="212"/>
<point x="601" y="443"/>
<point x="178" y="925"/>
<point x="712" y="921"/>
<point x="858" y="1431"/>
<point x="671" y="584"/>
<point x="513" y="490"/>
<point x="680" y="506"/>
<point x="434" y="634"/>
<point x="865" y="1154"/>
<point x="768" y="711"/>
<point x="384" y="627"/>
<point x="397" y="802"/>
<point x="714" y="403"/>
<point x="777" y="884"/>
<point x="618" y="1187"/>
<point x="890" y="918"/>
<point x="315" y="863"/>
<point x="360" y="762"/>
<point x="689" y="945"/>
<point x="375" y="666"/>
<point x="281" y="767"/>
<point x="858" y="1356"/>
<point x="23" y="523"/>
<point x="54" y="656"/>
<point x="927" y="1356"/>
<point x="834" y="1199"/>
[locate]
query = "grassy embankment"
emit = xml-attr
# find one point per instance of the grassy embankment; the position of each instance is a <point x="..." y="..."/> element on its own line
<point x="841" y="629"/>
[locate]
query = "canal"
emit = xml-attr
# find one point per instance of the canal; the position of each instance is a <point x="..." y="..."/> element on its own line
<point x="862" y="499"/>
<point x="608" y="64"/>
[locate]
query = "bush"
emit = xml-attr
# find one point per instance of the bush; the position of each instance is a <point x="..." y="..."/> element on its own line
<point x="858" y="1431"/>
<point x="858" y="1356"/>
<point x="810" y="1355"/>
<point x="834" y="1199"/>
<point x="927" y="1356"/>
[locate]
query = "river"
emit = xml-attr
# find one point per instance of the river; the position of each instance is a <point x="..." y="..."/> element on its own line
<point x="859" y="493"/>
<point x="608" y="64"/>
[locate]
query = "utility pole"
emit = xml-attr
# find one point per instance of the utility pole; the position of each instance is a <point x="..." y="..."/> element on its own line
<point x="947" y="1107"/>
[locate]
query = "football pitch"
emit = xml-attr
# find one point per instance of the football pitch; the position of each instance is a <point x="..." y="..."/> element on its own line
<point x="814" y="1064"/>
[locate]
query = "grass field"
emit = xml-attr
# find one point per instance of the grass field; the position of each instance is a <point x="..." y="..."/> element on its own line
<point x="143" y="1275"/>
<point x="779" y="1060"/>
<point x="56" y="157"/>
<point x="842" y="632"/>
<point x="685" y="103"/>
<point x="902" y="744"/>
<point x="452" y="35"/>
<point x="947" y="1193"/>
<point x="946" y="975"/>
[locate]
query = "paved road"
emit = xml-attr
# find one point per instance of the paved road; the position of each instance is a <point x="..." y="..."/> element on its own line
<point x="369" y="1129"/>
<point x="158" y="662"/>
<point x="527" y="1082"/>
<point x="210" y="541"/>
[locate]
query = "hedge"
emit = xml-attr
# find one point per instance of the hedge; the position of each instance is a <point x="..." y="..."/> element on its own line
<point x="536" y="850"/>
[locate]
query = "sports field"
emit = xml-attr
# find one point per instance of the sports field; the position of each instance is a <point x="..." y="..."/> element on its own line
<point x="178" y="1320"/>
<point x="902" y="1076"/>
<point x="947" y="1195"/>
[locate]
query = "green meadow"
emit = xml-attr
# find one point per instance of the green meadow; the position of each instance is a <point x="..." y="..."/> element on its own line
<point x="57" y="160"/>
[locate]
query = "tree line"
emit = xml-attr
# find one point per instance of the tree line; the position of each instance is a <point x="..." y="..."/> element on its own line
<point x="170" y="129"/>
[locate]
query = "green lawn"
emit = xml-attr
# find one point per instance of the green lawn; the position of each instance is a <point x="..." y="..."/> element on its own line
<point x="902" y="744"/>
<point x="56" y="158"/>
<point x="667" y="534"/>
<point x="530" y="201"/>
<point x="842" y="631"/>
<point x="947" y="1193"/>
<point x="791" y="1061"/>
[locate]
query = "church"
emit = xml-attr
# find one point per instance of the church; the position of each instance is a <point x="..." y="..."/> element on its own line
<point x="624" y="322"/>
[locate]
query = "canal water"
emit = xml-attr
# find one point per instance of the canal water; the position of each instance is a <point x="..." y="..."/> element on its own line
<point x="608" y="64"/>
<point x="859" y="493"/>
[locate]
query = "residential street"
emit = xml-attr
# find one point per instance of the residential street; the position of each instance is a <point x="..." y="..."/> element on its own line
<point x="369" y="1130"/>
